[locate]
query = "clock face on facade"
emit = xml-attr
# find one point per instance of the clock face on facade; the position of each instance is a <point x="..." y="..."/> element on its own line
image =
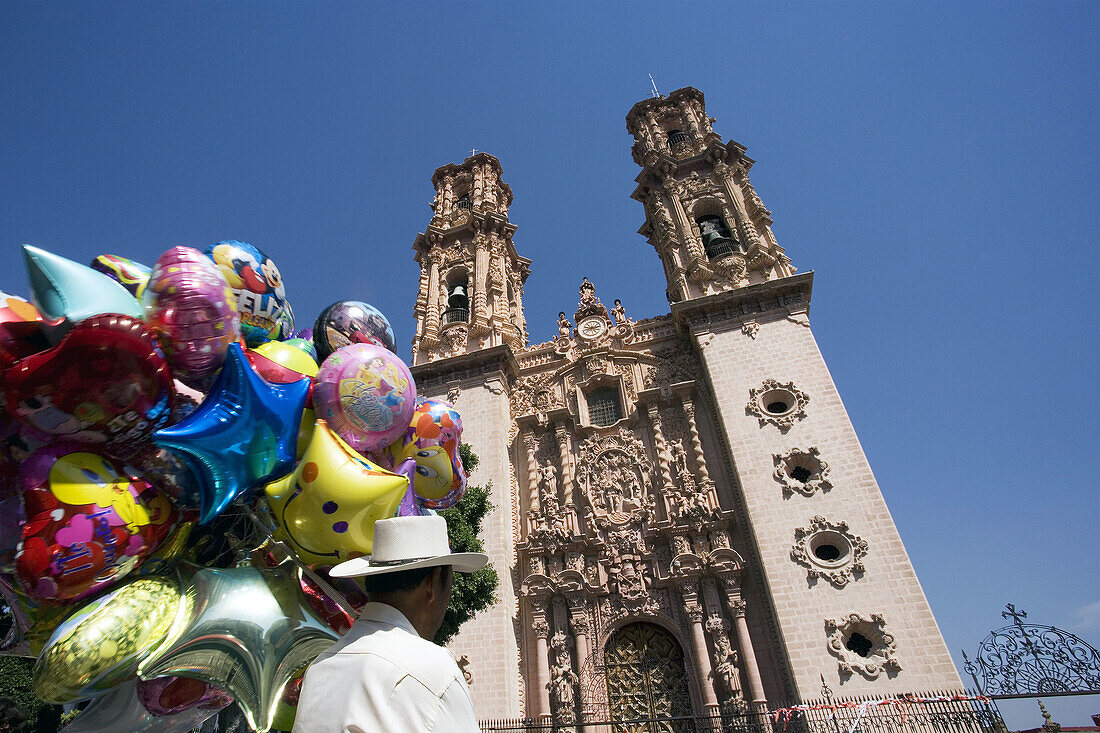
<point x="592" y="328"/>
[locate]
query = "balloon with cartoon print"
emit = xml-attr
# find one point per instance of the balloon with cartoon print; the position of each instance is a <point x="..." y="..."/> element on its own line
<point x="129" y="274"/>
<point x="258" y="285"/>
<point x="327" y="508"/>
<point x="89" y="523"/>
<point x="366" y="394"/>
<point x="432" y="439"/>
<point x="106" y="382"/>
<point x="347" y="322"/>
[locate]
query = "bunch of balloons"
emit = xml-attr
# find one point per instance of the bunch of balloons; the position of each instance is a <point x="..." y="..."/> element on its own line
<point x="178" y="469"/>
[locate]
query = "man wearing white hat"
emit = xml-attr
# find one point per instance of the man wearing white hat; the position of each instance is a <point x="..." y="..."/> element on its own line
<point x="385" y="675"/>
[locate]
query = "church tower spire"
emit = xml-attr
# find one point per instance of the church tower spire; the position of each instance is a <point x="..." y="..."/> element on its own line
<point x="471" y="278"/>
<point x="703" y="217"/>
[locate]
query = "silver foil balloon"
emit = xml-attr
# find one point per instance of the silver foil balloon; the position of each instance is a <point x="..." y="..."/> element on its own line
<point x="121" y="710"/>
<point x="246" y="630"/>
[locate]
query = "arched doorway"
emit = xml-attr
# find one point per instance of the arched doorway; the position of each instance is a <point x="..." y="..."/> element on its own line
<point x="646" y="680"/>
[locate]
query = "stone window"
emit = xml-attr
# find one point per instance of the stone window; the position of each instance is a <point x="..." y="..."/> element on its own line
<point x="780" y="404"/>
<point x="801" y="470"/>
<point x="462" y="202"/>
<point x="676" y="137"/>
<point x="604" y="406"/>
<point x="458" y="302"/>
<point x="829" y="550"/>
<point x="862" y="644"/>
<point x="716" y="236"/>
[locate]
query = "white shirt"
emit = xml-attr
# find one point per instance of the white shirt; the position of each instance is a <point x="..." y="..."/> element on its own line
<point x="381" y="677"/>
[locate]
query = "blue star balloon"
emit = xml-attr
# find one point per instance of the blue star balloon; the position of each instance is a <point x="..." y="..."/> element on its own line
<point x="243" y="435"/>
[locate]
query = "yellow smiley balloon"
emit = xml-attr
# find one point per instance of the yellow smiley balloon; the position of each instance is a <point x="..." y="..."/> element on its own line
<point x="327" y="508"/>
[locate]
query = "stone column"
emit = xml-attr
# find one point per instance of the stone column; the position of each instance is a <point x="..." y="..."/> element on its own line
<point x="529" y="443"/>
<point x="697" y="445"/>
<point x="578" y="616"/>
<point x="749" y="236"/>
<point x="694" y="611"/>
<point x="659" y="443"/>
<point x="539" y="691"/>
<point x="748" y="656"/>
<point x="431" y="317"/>
<point x="687" y="230"/>
<point x="566" y="476"/>
<point x="481" y="276"/>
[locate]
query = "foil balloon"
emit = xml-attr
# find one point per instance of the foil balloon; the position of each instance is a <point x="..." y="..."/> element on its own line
<point x="246" y="630"/>
<point x="286" y="324"/>
<point x="258" y="287"/>
<point x="347" y="322"/>
<point x="68" y="292"/>
<point x="20" y="330"/>
<point x="328" y="506"/>
<point x="171" y="695"/>
<point x="190" y="305"/>
<point x="121" y="710"/>
<point x="89" y="523"/>
<point x="243" y="435"/>
<point x="101" y="644"/>
<point x="305" y="345"/>
<point x="32" y="624"/>
<point x="129" y="274"/>
<point x="433" y="439"/>
<point x="106" y="382"/>
<point x="366" y="394"/>
<point x="278" y="361"/>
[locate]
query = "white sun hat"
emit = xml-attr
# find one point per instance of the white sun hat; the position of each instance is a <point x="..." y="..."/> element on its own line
<point x="407" y="543"/>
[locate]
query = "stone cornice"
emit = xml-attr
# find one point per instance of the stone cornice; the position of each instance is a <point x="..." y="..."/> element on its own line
<point x="660" y="165"/>
<point x="789" y="293"/>
<point x="464" y="367"/>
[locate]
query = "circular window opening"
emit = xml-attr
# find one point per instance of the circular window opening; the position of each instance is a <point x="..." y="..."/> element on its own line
<point x="777" y="402"/>
<point x="859" y="644"/>
<point x="830" y="548"/>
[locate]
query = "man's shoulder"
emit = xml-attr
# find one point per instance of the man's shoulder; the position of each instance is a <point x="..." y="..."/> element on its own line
<point x="426" y="663"/>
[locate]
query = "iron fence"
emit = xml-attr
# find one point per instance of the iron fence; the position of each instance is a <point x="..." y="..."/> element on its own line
<point x="939" y="712"/>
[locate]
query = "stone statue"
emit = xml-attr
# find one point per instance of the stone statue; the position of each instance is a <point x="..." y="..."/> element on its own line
<point x="618" y="313"/>
<point x="564" y="326"/>
<point x="679" y="458"/>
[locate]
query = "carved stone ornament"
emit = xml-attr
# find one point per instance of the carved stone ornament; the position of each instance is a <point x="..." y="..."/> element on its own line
<point x="848" y="640"/>
<point x="801" y="470"/>
<point x="614" y="471"/>
<point x="750" y="329"/>
<point x="778" y="403"/>
<point x="829" y="550"/>
<point x="533" y="394"/>
<point x="452" y="341"/>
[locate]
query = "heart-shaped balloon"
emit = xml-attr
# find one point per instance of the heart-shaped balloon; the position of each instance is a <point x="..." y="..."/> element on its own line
<point x="189" y="303"/>
<point x="89" y="523"/>
<point x="106" y="382"/>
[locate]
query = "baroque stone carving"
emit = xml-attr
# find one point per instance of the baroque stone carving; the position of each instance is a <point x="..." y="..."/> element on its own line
<point x="750" y="329"/>
<point x="613" y="471"/>
<point x="452" y="341"/>
<point x="778" y="403"/>
<point x="563" y="680"/>
<point x="801" y="470"/>
<point x="829" y="550"/>
<point x="862" y="644"/>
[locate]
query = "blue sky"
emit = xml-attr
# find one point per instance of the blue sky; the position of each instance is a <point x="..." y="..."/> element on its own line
<point x="935" y="164"/>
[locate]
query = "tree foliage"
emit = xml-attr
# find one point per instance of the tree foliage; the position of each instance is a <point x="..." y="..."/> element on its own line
<point x="470" y="592"/>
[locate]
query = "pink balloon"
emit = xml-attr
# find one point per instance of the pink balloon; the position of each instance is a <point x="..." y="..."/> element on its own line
<point x="366" y="394"/>
<point x="189" y="303"/>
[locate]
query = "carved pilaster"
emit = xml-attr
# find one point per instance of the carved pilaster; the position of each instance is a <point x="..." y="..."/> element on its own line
<point x="663" y="458"/>
<point x="697" y="446"/>
<point x="530" y="444"/>
<point x="431" y="321"/>
<point x="565" y="456"/>
<point x="481" y="275"/>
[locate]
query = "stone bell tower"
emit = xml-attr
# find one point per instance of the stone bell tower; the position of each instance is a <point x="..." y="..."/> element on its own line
<point x="471" y="279"/>
<point x="702" y="215"/>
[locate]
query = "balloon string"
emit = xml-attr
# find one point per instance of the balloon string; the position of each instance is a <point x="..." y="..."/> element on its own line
<point x="324" y="585"/>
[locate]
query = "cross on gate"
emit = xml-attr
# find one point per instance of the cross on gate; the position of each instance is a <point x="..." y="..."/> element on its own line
<point x="1014" y="614"/>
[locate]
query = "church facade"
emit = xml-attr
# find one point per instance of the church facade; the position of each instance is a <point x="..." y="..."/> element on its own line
<point x="685" y="521"/>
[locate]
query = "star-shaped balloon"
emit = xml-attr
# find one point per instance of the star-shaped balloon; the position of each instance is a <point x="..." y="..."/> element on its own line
<point x="247" y="630"/>
<point x="243" y="434"/>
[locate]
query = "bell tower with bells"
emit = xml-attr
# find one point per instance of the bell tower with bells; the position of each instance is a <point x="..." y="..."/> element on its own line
<point x="471" y="278"/>
<point x="703" y="217"/>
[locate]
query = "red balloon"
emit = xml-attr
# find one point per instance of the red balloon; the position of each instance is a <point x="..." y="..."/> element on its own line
<point x="328" y="609"/>
<point x="106" y="382"/>
<point x="88" y="523"/>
